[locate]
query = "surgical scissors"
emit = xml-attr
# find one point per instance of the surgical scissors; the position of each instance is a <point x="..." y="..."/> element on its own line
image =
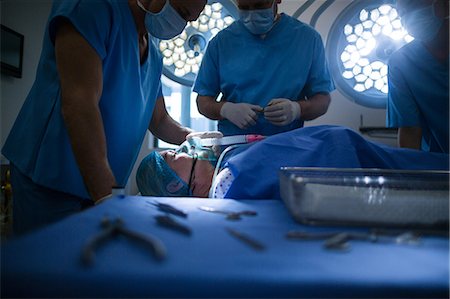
<point x="113" y="228"/>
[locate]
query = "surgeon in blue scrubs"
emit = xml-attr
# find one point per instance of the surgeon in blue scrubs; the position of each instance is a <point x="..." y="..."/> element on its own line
<point x="270" y="69"/>
<point x="97" y="90"/>
<point x="418" y="77"/>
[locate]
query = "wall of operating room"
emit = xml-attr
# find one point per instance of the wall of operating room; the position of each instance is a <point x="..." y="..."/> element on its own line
<point x="29" y="18"/>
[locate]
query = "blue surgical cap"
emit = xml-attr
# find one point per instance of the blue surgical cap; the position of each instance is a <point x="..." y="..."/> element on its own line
<point x="155" y="178"/>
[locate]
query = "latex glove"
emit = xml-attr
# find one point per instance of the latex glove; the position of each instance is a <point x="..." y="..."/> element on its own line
<point x="282" y="112"/>
<point x="240" y="114"/>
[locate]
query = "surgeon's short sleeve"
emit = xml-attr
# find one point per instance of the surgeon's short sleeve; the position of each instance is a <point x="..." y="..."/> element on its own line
<point x="402" y="109"/>
<point x="92" y="19"/>
<point x="208" y="78"/>
<point x="319" y="78"/>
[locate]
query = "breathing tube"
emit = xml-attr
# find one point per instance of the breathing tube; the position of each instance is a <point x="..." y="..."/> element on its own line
<point x="210" y="149"/>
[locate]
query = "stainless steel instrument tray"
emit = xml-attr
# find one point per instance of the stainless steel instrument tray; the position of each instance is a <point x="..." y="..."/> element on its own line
<point x="368" y="197"/>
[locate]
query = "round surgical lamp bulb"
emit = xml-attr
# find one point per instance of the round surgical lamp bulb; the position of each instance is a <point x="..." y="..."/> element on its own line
<point x="207" y="10"/>
<point x="179" y="64"/>
<point x="216" y="6"/>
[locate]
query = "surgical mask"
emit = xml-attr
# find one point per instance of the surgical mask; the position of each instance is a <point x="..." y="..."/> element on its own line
<point x="258" y="21"/>
<point x="422" y="23"/>
<point x="165" y="24"/>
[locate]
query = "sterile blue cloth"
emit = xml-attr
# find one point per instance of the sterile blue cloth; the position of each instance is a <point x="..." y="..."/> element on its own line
<point x="256" y="169"/>
<point x="211" y="263"/>
<point x="288" y="63"/>
<point x="39" y="144"/>
<point x="419" y="95"/>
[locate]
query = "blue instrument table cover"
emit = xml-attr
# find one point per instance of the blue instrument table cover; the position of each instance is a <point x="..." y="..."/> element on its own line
<point x="211" y="262"/>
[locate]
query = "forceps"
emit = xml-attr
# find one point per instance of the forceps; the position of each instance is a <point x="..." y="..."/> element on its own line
<point x="170" y="223"/>
<point x="113" y="228"/>
<point x="230" y="215"/>
<point x="163" y="207"/>
<point x="339" y="240"/>
<point x="256" y="245"/>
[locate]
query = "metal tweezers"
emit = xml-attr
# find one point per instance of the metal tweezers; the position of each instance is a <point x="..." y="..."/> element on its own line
<point x="252" y="243"/>
<point x="171" y="223"/>
<point x="163" y="207"/>
<point x="114" y="228"/>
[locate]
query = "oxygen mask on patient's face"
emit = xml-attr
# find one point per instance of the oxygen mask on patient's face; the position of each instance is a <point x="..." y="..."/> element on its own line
<point x="193" y="146"/>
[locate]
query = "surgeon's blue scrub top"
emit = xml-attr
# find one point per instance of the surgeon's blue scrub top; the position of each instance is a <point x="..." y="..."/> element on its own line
<point x="38" y="143"/>
<point x="288" y="63"/>
<point x="419" y="95"/>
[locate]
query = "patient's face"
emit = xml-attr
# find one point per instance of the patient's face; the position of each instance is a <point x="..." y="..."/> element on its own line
<point x="181" y="163"/>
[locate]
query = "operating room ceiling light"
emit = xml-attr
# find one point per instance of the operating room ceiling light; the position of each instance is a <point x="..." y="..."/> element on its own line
<point x="366" y="38"/>
<point x="183" y="54"/>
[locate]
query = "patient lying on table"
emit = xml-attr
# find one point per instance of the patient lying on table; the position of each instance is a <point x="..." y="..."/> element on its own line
<point x="250" y="171"/>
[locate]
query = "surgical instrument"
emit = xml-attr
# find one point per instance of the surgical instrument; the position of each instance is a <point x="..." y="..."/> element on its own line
<point x="163" y="207"/>
<point x="246" y="239"/>
<point x="339" y="240"/>
<point x="230" y="215"/>
<point x="170" y="223"/>
<point x="113" y="228"/>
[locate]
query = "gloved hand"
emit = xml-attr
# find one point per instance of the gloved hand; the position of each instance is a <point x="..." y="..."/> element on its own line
<point x="282" y="112"/>
<point x="240" y="114"/>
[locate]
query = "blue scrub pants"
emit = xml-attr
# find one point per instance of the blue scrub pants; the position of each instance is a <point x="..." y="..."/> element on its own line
<point x="35" y="206"/>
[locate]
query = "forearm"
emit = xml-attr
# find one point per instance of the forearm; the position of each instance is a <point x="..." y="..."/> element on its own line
<point x="315" y="106"/>
<point x="209" y="107"/>
<point x="169" y="130"/>
<point x="86" y="133"/>
<point x="164" y="127"/>
<point x="410" y="137"/>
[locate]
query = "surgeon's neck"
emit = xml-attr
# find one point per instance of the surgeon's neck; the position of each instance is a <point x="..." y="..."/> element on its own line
<point x="139" y="20"/>
<point x="139" y="17"/>
<point x="439" y="47"/>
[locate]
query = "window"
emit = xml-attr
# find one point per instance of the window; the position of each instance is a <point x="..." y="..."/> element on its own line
<point x="182" y="57"/>
<point x="359" y="45"/>
<point x="181" y="105"/>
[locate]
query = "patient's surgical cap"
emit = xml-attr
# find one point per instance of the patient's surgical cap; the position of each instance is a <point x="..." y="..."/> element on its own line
<point x="155" y="178"/>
